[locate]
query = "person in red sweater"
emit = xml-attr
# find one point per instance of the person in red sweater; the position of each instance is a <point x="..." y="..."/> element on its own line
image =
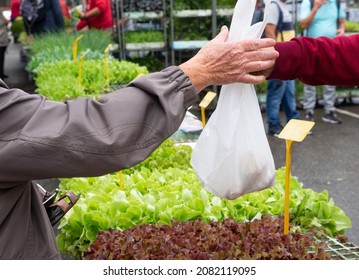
<point x="318" y="61"/>
<point x="65" y="9"/>
<point x="98" y="15"/>
<point x="15" y="9"/>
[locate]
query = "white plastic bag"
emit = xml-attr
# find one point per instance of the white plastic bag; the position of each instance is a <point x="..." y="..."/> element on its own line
<point x="232" y="156"/>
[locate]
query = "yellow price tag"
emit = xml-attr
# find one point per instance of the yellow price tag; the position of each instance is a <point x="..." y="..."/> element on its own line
<point x="294" y="131"/>
<point x="139" y="75"/>
<point x="106" y="66"/>
<point x="204" y="104"/>
<point x="207" y="99"/>
<point x="79" y="78"/>
<point x="74" y="46"/>
<point x="121" y="180"/>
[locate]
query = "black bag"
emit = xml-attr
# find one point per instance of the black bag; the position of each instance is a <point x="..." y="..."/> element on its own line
<point x="33" y="11"/>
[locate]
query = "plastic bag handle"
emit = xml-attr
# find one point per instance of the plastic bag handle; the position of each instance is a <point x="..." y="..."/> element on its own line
<point x="242" y="18"/>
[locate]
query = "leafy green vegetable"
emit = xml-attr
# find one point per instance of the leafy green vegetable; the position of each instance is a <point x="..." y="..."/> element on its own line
<point x="93" y="39"/>
<point x="165" y="187"/>
<point x="17" y="26"/>
<point x="192" y="4"/>
<point x="50" y="47"/>
<point x="197" y="240"/>
<point x="59" y="80"/>
<point x="58" y="53"/>
<point x="141" y="36"/>
<point x="226" y="3"/>
<point x="351" y="26"/>
<point x="152" y="63"/>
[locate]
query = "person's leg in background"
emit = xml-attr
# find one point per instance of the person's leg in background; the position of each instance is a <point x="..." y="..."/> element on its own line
<point x="329" y="96"/>
<point x="2" y="62"/>
<point x="275" y="92"/>
<point x="289" y="101"/>
<point x="309" y="101"/>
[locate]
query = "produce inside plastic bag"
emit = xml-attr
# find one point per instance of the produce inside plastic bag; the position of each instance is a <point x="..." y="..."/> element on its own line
<point x="232" y="156"/>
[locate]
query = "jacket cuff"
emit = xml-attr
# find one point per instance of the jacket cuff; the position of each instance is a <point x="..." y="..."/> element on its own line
<point x="183" y="84"/>
<point x="288" y="62"/>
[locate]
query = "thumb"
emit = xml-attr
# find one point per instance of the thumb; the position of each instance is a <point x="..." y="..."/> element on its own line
<point x="222" y="36"/>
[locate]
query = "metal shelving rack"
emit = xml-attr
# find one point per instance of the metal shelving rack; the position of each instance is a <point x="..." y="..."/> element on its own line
<point x="193" y="44"/>
<point x="177" y="46"/>
<point x="135" y="15"/>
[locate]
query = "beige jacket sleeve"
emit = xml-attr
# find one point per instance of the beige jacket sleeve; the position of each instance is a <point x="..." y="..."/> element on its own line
<point x="42" y="139"/>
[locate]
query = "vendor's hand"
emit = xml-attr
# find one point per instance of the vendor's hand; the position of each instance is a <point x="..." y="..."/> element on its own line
<point x="340" y="32"/>
<point x="220" y="62"/>
<point x="82" y="15"/>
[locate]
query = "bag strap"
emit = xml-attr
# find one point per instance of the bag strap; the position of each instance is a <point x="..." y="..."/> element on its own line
<point x="279" y="27"/>
<point x="280" y="20"/>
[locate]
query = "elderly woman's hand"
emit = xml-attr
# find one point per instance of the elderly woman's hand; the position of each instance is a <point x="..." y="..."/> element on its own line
<point x="221" y="62"/>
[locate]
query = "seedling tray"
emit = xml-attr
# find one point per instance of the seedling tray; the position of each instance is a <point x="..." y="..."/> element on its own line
<point x="341" y="250"/>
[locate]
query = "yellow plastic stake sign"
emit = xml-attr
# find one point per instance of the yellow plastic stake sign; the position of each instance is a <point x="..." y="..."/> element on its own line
<point x="75" y="45"/>
<point x="295" y="130"/>
<point x="121" y="180"/>
<point x="140" y="74"/>
<point x="106" y="66"/>
<point x="288" y="146"/>
<point x="207" y="99"/>
<point x="79" y="78"/>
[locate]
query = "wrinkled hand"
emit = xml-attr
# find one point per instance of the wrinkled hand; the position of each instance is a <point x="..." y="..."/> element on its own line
<point x="266" y="72"/>
<point x="220" y="62"/>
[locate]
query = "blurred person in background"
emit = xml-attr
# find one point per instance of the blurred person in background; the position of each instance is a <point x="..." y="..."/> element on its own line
<point x="280" y="93"/>
<point x="15" y="9"/>
<point x="53" y="20"/>
<point x="97" y="15"/>
<point x="65" y="9"/>
<point x="15" y="19"/>
<point x="258" y="12"/>
<point x="4" y="42"/>
<point x="321" y="18"/>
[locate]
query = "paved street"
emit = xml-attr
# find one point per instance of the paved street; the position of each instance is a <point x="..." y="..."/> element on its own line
<point x="329" y="159"/>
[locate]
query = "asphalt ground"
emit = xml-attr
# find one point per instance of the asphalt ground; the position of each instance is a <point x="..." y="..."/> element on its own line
<point x="326" y="160"/>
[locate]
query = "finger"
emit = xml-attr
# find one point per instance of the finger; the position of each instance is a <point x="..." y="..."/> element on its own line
<point x="257" y="66"/>
<point x="253" y="79"/>
<point x="268" y="54"/>
<point x="256" y="44"/>
<point x="222" y="36"/>
<point x="262" y="55"/>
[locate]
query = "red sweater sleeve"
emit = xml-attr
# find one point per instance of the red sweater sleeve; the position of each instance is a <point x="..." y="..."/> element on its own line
<point x="320" y="61"/>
